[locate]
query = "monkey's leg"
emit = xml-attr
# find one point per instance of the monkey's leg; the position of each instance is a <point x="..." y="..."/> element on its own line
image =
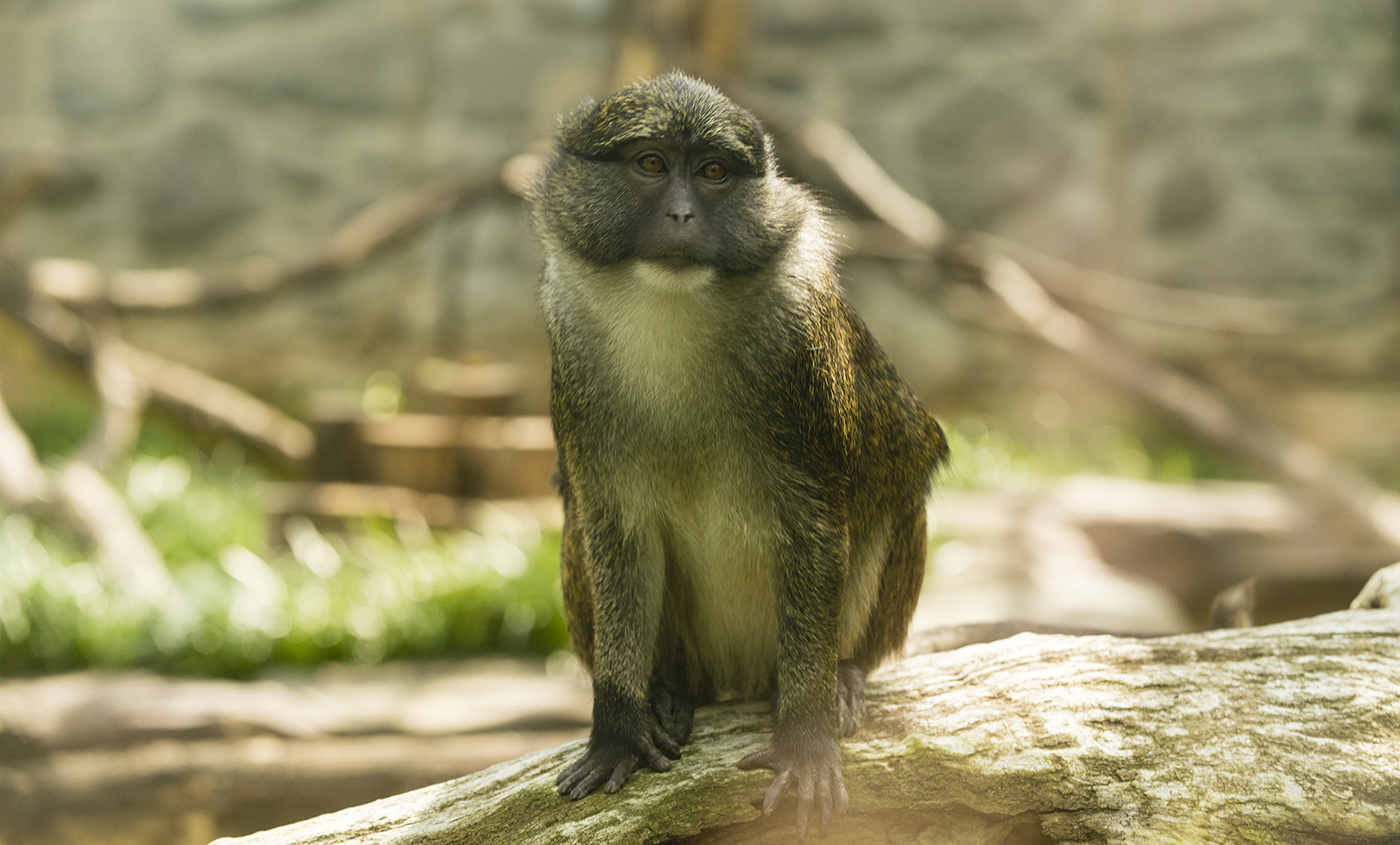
<point x="804" y="752"/>
<point x="626" y="584"/>
<point x="900" y="582"/>
<point x="578" y="595"/>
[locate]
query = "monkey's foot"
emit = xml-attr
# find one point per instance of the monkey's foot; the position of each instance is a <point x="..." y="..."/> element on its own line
<point x="674" y="714"/>
<point x="815" y="768"/>
<point x="850" y="696"/>
<point x="613" y="759"/>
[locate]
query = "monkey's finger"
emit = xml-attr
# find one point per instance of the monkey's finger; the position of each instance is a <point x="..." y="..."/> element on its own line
<point x="620" y="774"/>
<point x="588" y="784"/>
<point x="765" y="759"/>
<point x="843" y="801"/>
<point x="776" y="792"/>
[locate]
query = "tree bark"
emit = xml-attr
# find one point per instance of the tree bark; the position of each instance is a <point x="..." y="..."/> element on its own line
<point x="1285" y="733"/>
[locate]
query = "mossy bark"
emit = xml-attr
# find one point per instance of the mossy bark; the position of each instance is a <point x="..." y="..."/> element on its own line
<point x="1285" y="733"/>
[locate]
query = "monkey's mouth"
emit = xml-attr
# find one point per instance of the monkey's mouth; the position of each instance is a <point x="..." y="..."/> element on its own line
<point x="677" y="261"/>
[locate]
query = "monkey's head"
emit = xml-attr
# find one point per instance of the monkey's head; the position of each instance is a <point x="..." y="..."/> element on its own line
<point x="668" y="170"/>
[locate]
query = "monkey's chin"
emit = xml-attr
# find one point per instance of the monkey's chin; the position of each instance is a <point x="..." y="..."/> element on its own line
<point x="672" y="275"/>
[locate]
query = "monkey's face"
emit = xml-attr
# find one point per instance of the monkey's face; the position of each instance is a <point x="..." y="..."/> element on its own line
<point x="683" y="208"/>
<point x="669" y="201"/>
<point x="668" y="171"/>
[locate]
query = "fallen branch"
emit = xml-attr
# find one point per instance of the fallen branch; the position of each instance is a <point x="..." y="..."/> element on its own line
<point x="1241" y="735"/>
<point x="123" y="398"/>
<point x="184" y="387"/>
<point x="86" y="503"/>
<point x="98" y="513"/>
<point x="173" y="384"/>
<point x="23" y="482"/>
<point x="863" y="176"/>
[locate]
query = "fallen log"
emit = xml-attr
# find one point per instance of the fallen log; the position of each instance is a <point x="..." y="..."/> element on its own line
<point x="1283" y="733"/>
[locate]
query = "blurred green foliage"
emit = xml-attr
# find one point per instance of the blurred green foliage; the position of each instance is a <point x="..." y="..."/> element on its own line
<point x="377" y="591"/>
<point x="985" y="456"/>
<point x="380" y="591"/>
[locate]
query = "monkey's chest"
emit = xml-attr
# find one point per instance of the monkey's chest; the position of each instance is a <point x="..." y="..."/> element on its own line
<point x="692" y="478"/>
<point x="719" y="619"/>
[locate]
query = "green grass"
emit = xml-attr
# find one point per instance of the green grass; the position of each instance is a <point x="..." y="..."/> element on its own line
<point x="984" y="456"/>
<point x="378" y="591"/>
<point x="375" y="593"/>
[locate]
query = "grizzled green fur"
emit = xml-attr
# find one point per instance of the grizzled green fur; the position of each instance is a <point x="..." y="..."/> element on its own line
<point x="744" y="472"/>
<point x="670" y="106"/>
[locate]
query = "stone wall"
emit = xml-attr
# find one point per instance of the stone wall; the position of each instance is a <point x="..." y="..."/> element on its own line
<point x="1240" y="146"/>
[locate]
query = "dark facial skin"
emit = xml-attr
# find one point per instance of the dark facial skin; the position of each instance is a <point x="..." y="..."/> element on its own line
<point x="682" y="193"/>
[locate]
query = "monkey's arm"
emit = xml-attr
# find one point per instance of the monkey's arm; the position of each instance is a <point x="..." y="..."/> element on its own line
<point x="809" y="579"/>
<point x="804" y="753"/>
<point x="625" y="580"/>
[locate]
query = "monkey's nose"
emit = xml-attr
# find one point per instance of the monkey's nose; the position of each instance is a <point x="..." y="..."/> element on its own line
<point x="681" y="215"/>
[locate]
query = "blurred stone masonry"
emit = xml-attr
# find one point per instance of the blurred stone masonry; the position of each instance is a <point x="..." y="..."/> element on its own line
<point x="1237" y="146"/>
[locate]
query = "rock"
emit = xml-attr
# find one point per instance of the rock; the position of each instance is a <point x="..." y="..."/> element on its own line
<point x="1187" y="198"/>
<point x="1375" y="108"/>
<point x="572" y="15"/>
<point x="108" y="60"/>
<point x="815" y="20"/>
<point x="190" y="184"/>
<point x="986" y="14"/>
<point x="63" y="180"/>
<point x="224" y="10"/>
<point x="1289" y="90"/>
<point x="493" y="77"/>
<point x="1191" y="17"/>
<point x="985" y="152"/>
<point x="67" y="182"/>
<point x="1323" y="177"/>
<point x="359" y="67"/>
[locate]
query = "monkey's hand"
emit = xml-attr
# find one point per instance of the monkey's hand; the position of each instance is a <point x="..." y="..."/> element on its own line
<point x="815" y="765"/>
<point x="614" y="754"/>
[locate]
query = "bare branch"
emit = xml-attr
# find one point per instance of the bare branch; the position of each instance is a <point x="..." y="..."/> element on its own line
<point x="182" y="386"/>
<point x="863" y="176"/>
<point x="123" y="398"/>
<point x="173" y="384"/>
<point x="1154" y="303"/>
<point x="88" y="505"/>
<point x="1205" y="410"/>
<point x="100" y="516"/>
<point x="366" y="233"/>
<point x="23" y="482"/>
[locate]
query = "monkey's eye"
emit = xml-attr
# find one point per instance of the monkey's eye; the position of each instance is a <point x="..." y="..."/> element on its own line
<point x="651" y="163"/>
<point x="713" y="171"/>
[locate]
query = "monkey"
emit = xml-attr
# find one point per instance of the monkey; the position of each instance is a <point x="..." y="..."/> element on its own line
<point x="743" y="472"/>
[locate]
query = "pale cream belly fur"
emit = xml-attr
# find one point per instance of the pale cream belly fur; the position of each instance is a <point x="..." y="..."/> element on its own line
<point x="705" y="521"/>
